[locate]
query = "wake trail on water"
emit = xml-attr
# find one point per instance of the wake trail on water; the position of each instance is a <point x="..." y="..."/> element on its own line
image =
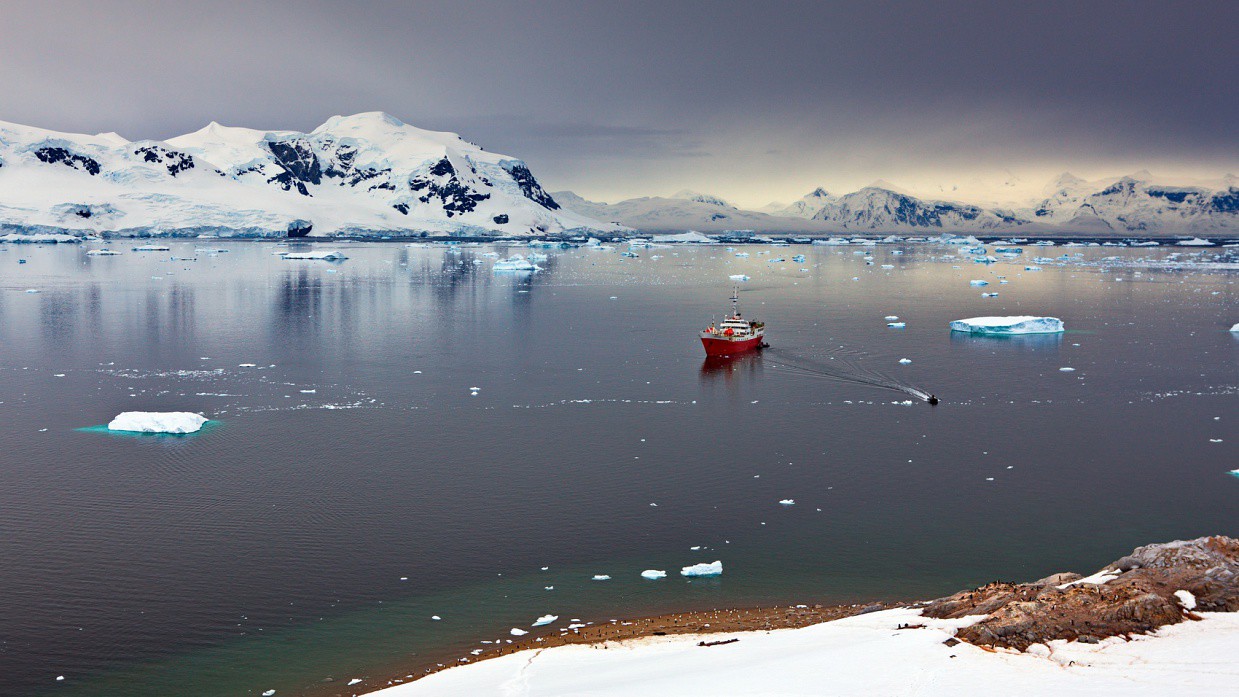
<point x="839" y="370"/>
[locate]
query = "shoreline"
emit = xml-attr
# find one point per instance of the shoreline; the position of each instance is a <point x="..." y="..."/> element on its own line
<point x="1154" y="587"/>
<point x="675" y="624"/>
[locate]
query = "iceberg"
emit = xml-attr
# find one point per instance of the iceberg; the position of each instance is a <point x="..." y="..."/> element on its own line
<point x="1020" y="324"/>
<point x="515" y="263"/>
<point x="787" y="502"/>
<point x="157" y="422"/>
<point x="318" y="256"/>
<point x="712" y="569"/>
<point x="545" y="620"/>
<point x="518" y="632"/>
<point x="601" y="577"/>
<point x="1235" y="328"/>
<point x="653" y="574"/>
<point x="738" y="277"/>
<point x="896" y="325"/>
<point x="976" y="282"/>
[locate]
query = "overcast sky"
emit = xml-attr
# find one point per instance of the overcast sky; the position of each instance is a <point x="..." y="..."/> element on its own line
<point x="751" y="101"/>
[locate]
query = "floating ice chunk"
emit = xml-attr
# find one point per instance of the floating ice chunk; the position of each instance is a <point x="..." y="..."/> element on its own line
<point x="1194" y="242"/>
<point x="978" y="282"/>
<point x="518" y="632"/>
<point x="545" y="620"/>
<point x="314" y="256"/>
<point x="1019" y="324"/>
<point x="436" y="618"/>
<point x="905" y="361"/>
<point x="787" y="502"/>
<point x="601" y="577"/>
<point x="896" y="325"/>
<point x="268" y="693"/>
<point x="102" y="253"/>
<point x="151" y="248"/>
<point x="1066" y="369"/>
<point x="157" y="422"/>
<point x="892" y="318"/>
<point x="989" y="295"/>
<point x="308" y="391"/>
<point x="247" y="365"/>
<point x="1235" y="328"/>
<point x="653" y="574"/>
<point x="1186" y="599"/>
<point x="33" y="290"/>
<point x="712" y="569"/>
<point x="738" y="277"/>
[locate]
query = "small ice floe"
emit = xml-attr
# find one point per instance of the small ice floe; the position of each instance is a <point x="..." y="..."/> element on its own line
<point x="739" y="277"/>
<point x="905" y="361"/>
<point x="978" y="282"/>
<point x="518" y="632"/>
<point x="1066" y="369"/>
<point x="892" y="318"/>
<point x="314" y="256"/>
<point x="473" y="391"/>
<point x="544" y="620"/>
<point x="157" y="422"/>
<point x="1020" y="324"/>
<point x="436" y="618"/>
<point x="787" y="502"/>
<point x="247" y="365"/>
<point x="33" y="290"/>
<point x="354" y="681"/>
<point x="1234" y="473"/>
<point x="712" y="569"/>
<point x="102" y="253"/>
<point x="268" y="693"/>
<point x="309" y="391"/>
<point x="1235" y="328"/>
<point x="653" y="574"/>
<point x="601" y="577"/>
<point x="1186" y="599"/>
<point x="989" y="295"/>
<point x="152" y="248"/>
<point x="60" y="678"/>
<point x="896" y="325"/>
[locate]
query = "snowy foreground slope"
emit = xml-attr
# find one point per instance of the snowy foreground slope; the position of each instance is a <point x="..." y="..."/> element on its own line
<point x="366" y="174"/>
<point x="1132" y="206"/>
<point x="862" y="655"/>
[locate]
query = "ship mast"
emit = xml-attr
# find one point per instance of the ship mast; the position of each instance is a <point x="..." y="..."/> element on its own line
<point x="735" y="301"/>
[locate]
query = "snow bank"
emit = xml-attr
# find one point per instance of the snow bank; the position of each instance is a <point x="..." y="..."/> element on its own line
<point x="1020" y="324"/>
<point x="157" y="422"/>
<point x="865" y="655"/>
<point x="711" y="569"/>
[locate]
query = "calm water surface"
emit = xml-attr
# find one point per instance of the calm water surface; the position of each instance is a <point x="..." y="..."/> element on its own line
<point x="352" y="486"/>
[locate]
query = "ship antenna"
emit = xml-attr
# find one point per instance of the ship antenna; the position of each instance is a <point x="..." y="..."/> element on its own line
<point x="735" y="300"/>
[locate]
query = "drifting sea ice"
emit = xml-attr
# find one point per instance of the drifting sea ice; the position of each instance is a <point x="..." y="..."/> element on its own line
<point x="712" y="569"/>
<point x="518" y="632"/>
<point x="157" y="422"/>
<point x="904" y="361"/>
<point x="896" y="325"/>
<point x="1019" y="324"/>
<point x="601" y="577"/>
<point x="545" y="620"/>
<point x="738" y="277"/>
<point x="319" y="256"/>
<point x="787" y="502"/>
<point x="978" y="282"/>
<point x="653" y="574"/>
<point x="1235" y="328"/>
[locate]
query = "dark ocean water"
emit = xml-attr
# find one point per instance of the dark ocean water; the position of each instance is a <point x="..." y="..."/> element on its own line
<point x="268" y="551"/>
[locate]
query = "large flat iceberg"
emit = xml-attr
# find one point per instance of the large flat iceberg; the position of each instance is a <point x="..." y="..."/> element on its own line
<point x="157" y="422"/>
<point x="321" y="256"/>
<point x="1019" y="324"/>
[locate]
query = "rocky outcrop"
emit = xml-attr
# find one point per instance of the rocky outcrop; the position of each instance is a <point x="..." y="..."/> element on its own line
<point x="1136" y="594"/>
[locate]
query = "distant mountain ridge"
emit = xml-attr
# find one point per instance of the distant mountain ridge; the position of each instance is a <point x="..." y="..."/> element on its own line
<point x="366" y="174"/>
<point x="1133" y="205"/>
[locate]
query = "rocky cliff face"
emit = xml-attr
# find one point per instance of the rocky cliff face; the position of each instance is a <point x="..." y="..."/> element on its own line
<point x="1154" y="586"/>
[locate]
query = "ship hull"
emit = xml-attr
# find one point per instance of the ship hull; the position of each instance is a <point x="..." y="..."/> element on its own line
<point x="726" y="347"/>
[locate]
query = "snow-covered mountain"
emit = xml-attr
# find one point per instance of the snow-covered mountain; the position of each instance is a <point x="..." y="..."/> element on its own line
<point x="1140" y="203"/>
<point x="806" y="207"/>
<point x="657" y="214"/>
<point x="362" y="174"/>
<point x="874" y="208"/>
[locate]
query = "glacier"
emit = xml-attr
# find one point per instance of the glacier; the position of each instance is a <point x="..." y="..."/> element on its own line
<point x="177" y="422"/>
<point x="1019" y="324"/>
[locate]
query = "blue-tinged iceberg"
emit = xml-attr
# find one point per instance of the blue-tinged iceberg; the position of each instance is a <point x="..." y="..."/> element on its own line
<point x="1020" y="324"/>
<point x="711" y="569"/>
<point x="157" y="422"/>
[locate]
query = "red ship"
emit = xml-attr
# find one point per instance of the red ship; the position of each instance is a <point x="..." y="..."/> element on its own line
<point x="734" y="335"/>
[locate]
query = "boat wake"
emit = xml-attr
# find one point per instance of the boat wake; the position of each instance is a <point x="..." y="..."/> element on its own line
<point x="839" y="369"/>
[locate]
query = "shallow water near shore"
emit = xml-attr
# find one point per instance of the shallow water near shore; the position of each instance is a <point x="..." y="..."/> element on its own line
<point x="351" y="486"/>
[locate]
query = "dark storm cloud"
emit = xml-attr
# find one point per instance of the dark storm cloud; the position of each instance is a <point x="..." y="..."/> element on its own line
<point x="632" y="97"/>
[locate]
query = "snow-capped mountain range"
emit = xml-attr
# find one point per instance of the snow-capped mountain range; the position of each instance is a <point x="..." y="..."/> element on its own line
<point x="371" y="174"/>
<point x="1134" y="205"/>
<point x="366" y="174"/>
